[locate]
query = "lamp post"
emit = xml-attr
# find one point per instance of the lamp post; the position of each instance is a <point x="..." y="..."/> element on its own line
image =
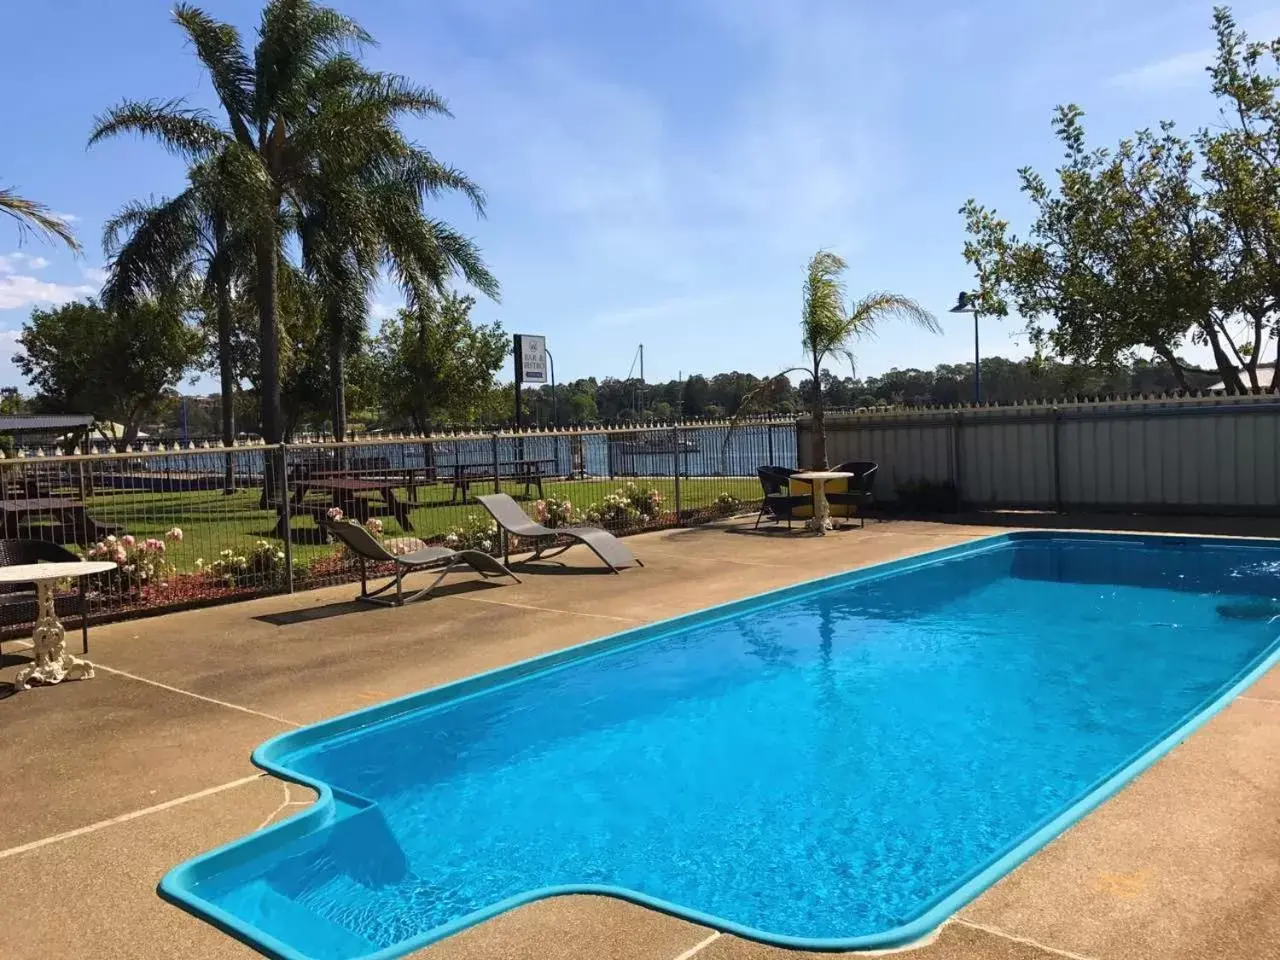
<point x="968" y="303"/>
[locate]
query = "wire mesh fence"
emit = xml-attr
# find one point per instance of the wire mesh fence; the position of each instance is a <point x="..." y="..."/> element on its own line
<point x="187" y="525"/>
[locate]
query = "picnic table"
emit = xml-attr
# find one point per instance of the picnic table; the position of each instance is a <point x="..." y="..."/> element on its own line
<point x="528" y="471"/>
<point x="348" y="494"/>
<point x="410" y="478"/>
<point x="74" y="523"/>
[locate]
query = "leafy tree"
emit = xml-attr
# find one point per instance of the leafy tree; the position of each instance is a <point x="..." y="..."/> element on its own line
<point x="117" y="365"/>
<point x="1162" y="242"/>
<point x="434" y="365"/>
<point x="36" y="218"/>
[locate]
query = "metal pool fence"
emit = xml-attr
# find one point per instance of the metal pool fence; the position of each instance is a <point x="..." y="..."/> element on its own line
<point x="188" y="525"/>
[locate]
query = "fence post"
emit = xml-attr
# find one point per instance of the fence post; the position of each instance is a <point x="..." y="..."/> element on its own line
<point x="675" y="452"/>
<point x="1057" y="460"/>
<point x="768" y="432"/>
<point x="497" y="467"/>
<point x="283" y="453"/>
<point x="956" y="461"/>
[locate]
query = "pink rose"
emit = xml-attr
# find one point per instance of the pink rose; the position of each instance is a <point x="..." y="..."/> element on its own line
<point x="128" y="540"/>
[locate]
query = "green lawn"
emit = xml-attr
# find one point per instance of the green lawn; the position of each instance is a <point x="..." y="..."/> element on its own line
<point x="212" y="521"/>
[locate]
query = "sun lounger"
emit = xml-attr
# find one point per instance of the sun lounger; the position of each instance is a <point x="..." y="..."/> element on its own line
<point x="516" y="522"/>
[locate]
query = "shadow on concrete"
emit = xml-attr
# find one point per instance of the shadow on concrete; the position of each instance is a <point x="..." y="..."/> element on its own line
<point x="342" y="608"/>
<point x="1233" y="526"/>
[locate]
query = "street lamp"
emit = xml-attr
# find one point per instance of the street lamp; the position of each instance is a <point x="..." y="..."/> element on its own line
<point x="555" y="410"/>
<point x="968" y="303"/>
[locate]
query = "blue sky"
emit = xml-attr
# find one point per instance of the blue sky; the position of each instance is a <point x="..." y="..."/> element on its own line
<point x="658" y="171"/>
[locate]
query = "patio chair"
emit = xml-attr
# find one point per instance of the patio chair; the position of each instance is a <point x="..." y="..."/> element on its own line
<point x="18" y="602"/>
<point x="858" y="491"/>
<point x="515" y="522"/>
<point x="367" y="549"/>
<point x="779" y="502"/>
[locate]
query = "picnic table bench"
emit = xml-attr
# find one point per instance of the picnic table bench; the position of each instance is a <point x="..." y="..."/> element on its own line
<point x="348" y="494"/>
<point x="529" y="472"/>
<point x="74" y="525"/>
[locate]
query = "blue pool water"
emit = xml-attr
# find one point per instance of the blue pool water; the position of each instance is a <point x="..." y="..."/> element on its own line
<point x="832" y="763"/>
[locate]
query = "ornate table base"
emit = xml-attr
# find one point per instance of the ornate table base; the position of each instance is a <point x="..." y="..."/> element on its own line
<point x="53" y="663"/>
<point x="821" y="521"/>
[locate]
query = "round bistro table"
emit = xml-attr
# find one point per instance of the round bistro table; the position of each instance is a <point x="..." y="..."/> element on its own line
<point x="821" y="521"/>
<point x="53" y="663"/>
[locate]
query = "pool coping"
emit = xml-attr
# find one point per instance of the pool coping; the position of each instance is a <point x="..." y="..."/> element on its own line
<point x="178" y="884"/>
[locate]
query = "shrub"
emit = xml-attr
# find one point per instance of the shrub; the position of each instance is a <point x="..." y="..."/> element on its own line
<point x="554" y="512"/>
<point x="725" y="504"/>
<point x="647" y="503"/>
<point x="139" y="563"/>
<point x="477" y="532"/>
<point x="614" y="510"/>
<point x="263" y="566"/>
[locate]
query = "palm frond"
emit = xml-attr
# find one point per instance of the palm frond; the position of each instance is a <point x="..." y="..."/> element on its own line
<point x="34" y="217"/>
<point x="875" y="308"/>
<point x="295" y="38"/>
<point x="160" y="253"/>
<point x="823" y="322"/>
<point x="219" y="49"/>
<point x="190" y="133"/>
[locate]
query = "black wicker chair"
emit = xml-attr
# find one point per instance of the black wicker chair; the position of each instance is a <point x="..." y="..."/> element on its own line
<point x="18" y="602"/>
<point x="861" y="489"/>
<point x="778" y="502"/>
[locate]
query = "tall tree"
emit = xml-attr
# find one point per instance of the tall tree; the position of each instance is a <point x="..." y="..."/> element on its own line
<point x="300" y="98"/>
<point x="117" y="365"/>
<point x="34" y="217"/>
<point x="192" y="242"/>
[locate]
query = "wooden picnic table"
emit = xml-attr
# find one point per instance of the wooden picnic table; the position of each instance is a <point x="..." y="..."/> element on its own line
<point x="347" y="494"/>
<point x="408" y="477"/>
<point x="74" y="523"/>
<point x="529" y="472"/>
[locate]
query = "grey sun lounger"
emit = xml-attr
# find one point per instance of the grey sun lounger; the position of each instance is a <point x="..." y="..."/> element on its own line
<point x="550" y="541"/>
<point x="367" y="549"/>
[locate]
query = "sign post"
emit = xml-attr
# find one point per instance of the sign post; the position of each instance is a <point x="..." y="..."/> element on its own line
<point x="531" y="365"/>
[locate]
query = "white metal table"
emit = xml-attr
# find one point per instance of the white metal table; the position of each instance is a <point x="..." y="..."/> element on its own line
<point x="821" y="521"/>
<point x="53" y="663"/>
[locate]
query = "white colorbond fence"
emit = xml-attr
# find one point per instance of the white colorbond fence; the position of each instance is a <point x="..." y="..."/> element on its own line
<point x="1176" y="455"/>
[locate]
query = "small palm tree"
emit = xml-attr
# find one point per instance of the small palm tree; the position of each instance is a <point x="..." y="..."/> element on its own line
<point x="36" y="218"/>
<point x="827" y="329"/>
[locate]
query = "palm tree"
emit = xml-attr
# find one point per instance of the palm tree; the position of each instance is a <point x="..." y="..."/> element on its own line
<point x="827" y="328"/>
<point x="298" y="98"/>
<point x="188" y="240"/>
<point x="360" y="219"/>
<point x="36" y="218"/>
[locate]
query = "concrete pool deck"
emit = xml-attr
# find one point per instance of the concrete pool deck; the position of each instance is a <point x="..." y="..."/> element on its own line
<point x="109" y="782"/>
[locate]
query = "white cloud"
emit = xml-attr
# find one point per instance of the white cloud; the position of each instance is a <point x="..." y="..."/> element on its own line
<point x="381" y="310"/>
<point x="68" y="217"/>
<point x="13" y="262"/>
<point x="96" y="275"/>
<point x="1183" y="69"/>
<point x="676" y="309"/>
<point x="18" y="290"/>
<point x="1187" y="68"/>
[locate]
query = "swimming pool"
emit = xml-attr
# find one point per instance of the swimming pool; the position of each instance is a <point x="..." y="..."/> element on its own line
<point x="838" y="764"/>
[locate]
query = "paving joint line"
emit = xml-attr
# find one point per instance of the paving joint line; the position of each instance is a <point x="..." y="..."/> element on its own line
<point x="530" y="606"/>
<point x="997" y="932"/>
<point x="197" y="696"/>
<point x="699" y="946"/>
<point x="126" y="817"/>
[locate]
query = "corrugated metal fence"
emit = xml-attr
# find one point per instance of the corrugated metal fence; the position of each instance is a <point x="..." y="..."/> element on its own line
<point x="1177" y="455"/>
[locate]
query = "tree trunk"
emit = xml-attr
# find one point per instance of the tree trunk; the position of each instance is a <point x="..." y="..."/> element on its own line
<point x="269" y="358"/>
<point x="819" y="452"/>
<point x="1165" y="354"/>
<point x="1226" y="366"/>
<point x="337" y="373"/>
<point x="226" y="376"/>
